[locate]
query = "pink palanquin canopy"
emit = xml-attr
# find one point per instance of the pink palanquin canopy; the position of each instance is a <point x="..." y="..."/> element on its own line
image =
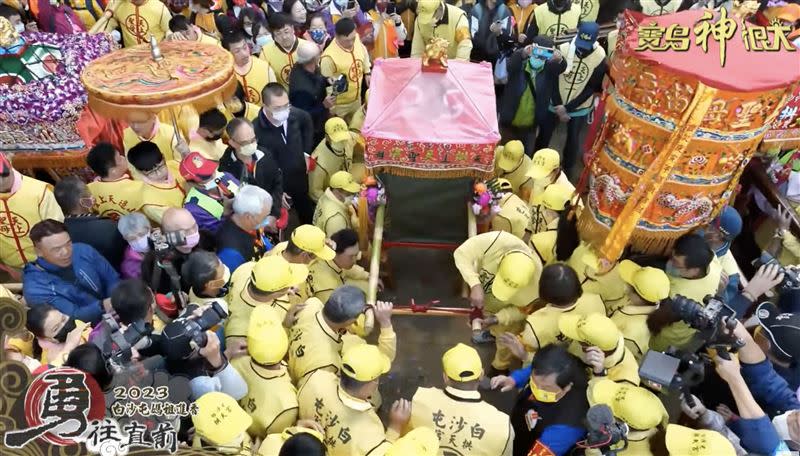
<point x="428" y="124"/>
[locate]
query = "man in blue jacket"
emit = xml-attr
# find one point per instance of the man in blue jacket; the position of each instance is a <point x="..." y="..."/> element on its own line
<point x="73" y="278"/>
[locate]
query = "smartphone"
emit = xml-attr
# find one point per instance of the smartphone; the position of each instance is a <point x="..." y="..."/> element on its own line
<point x="351" y="4"/>
<point x="541" y="52"/>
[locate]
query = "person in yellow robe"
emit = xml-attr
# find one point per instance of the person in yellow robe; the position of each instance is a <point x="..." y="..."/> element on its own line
<point x="281" y="53"/>
<point x="437" y="19"/>
<point x="138" y="19"/>
<point x="150" y="128"/>
<point x="271" y="398"/>
<point x="253" y="73"/>
<point x="333" y="154"/>
<point x="503" y="275"/>
<point x="514" y="215"/>
<point x="207" y="139"/>
<point x="522" y="10"/>
<point x="237" y="107"/>
<point x="115" y="193"/>
<point x="545" y="169"/>
<point x="512" y="164"/>
<point x="346" y="56"/>
<point x="389" y="32"/>
<point x="24" y="202"/>
<point x="335" y="210"/>
<point x="326" y="276"/>
<point x="164" y="187"/>
<point x="547" y="206"/>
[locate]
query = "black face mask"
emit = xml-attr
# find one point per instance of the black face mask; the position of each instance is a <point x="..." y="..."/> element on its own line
<point x="216" y="137"/>
<point x="61" y="336"/>
<point x="559" y="6"/>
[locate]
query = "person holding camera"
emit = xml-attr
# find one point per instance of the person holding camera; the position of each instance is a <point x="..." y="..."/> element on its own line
<point x="463" y="369"/>
<point x="211" y="194"/>
<point x="193" y="350"/>
<point x="242" y="237"/>
<point x="550" y="409"/>
<point x="635" y="406"/>
<point x="73" y="278"/>
<point x="694" y="272"/>
<point x="316" y="338"/>
<point x="389" y="30"/>
<point x="271" y="396"/>
<point x="347" y="55"/>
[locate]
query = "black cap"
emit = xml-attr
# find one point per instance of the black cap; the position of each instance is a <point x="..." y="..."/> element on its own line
<point x="782" y="329"/>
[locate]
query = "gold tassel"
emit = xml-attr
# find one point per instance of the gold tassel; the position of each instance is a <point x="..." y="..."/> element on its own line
<point x="431" y="174"/>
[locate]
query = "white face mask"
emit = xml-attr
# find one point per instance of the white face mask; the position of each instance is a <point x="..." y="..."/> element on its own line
<point x="248" y="29"/>
<point x="281" y="116"/>
<point x="524" y="3"/>
<point x="781" y="425"/>
<point x="19" y="27"/>
<point x="249" y="149"/>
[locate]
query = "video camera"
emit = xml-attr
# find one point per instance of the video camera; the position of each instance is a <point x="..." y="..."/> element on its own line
<point x="118" y="350"/>
<point x="339" y="85"/>
<point x="165" y="243"/>
<point x="684" y="369"/>
<point x="604" y="432"/>
<point x="791" y="279"/>
<point x="177" y="336"/>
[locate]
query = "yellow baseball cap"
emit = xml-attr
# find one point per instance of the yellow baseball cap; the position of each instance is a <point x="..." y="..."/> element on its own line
<point x="336" y="129"/>
<point x="684" y="441"/>
<point x="554" y="196"/>
<point x="274" y="273"/>
<point x="365" y="362"/>
<point x="510" y="155"/>
<point x="219" y="418"/>
<point x="421" y="441"/>
<point x="544" y="162"/>
<point x="344" y="181"/>
<point x="426" y="9"/>
<point x="312" y="239"/>
<point x="514" y="272"/>
<point x="634" y="405"/>
<point x="596" y="330"/>
<point x="503" y="185"/>
<point x="462" y="363"/>
<point x="652" y="284"/>
<point x="267" y="341"/>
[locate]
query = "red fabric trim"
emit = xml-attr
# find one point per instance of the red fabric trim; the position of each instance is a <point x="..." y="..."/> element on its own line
<point x="540" y="449"/>
<point x="423" y="156"/>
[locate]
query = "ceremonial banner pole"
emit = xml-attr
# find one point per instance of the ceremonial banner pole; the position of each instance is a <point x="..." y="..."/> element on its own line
<point x="375" y="259"/>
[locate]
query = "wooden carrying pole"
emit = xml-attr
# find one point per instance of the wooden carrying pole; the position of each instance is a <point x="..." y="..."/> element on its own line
<point x="375" y="259"/>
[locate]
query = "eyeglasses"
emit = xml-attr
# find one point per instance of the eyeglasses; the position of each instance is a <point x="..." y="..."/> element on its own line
<point x="155" y="171"/>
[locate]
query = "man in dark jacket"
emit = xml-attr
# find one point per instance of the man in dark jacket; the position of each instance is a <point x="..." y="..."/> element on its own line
<point x="307" y="88"/>
<point x="288" y="135"/>
<point x="531" y="80"/>
<point x="85" y="227"/>
<point x="251" y="164"/>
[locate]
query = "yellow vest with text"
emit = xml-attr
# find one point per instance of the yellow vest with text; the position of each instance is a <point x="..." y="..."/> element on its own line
<point x="325" y="276"/>
<point x="139" y="22"/>
<point x="158" y="198"/>
<point x="332" y="215"/>
<point x="255" y="79"/>
<point x="651" y="8"/>
<point x="117" y="198"/>
<point x="589" y="10"/>
<point x="551" y="24"/>
<point x="271" y="398"/>
<point x="514" y="216"/>
<point x="328" y="161"/>
<point x="456" y="32"/>
<point x="353" y="64"/>
<point x="32" y="203"/>
<point x="477" y="427"/>
<point x="632" y="323"/>
<point x="541" y="327"/>
<point x="281" y="62"/>
<point x="571" y="84"/>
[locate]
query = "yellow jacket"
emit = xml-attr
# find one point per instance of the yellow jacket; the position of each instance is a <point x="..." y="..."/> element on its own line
<point x="332" y="215"/>
<point x="514" y="216"/>
<point x="164" y="138"/>
<point x="454" y="27"/>
<point x="329" y="161"/>
<point x="281" y="61"/>
<point x="521" y="184"/>
<point x="20" y="209"/>
<point x="632" y="322"/>
<point x="160" y="197"/>
<point x="478" y="258"/>
<point x="257" y="76"/>
<point x="325" y="277"/>
<point x="541" y="327"/>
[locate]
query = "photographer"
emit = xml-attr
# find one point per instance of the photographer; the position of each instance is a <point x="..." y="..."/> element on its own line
<point x="192" y="350"/>
<point x="766" y="278"/>
<point x="180" y="222"/>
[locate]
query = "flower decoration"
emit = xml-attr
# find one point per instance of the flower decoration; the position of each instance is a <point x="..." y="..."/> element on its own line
<point x="375" y="194"/>
<point x="486" y="196"/>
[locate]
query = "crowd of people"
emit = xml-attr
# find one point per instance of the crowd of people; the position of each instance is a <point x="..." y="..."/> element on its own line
<point x="178" y="244"/>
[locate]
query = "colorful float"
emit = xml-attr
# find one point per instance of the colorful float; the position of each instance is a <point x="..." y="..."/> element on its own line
<point x="678" y="130"/>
